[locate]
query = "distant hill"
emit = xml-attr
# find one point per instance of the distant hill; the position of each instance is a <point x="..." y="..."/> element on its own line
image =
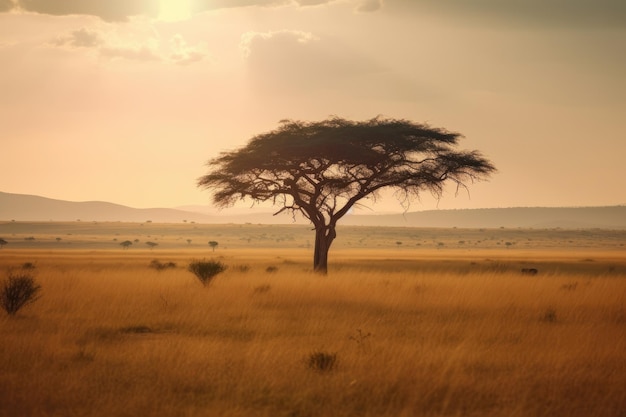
<point x="22" y="207"/>
<point x="612" y="217"/>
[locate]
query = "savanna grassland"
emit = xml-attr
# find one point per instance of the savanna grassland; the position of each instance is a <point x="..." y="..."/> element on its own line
<point x="409" y="322"/>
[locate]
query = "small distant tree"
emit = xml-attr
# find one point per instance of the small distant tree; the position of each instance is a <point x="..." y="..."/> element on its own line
<point x="17" y="291"/>
<point x="126" y="244"/>
<point x="58" y="239"/>
<point x="2" y="243"/>
<point x="189" y="241"/>
<point x="152" y="244"/>
<point x="213" y="244"/>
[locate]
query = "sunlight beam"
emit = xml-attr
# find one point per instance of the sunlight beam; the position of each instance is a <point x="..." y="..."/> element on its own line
<point x="174" y="10"/>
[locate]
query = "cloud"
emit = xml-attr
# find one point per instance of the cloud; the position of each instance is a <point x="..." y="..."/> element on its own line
<point x="361" y="5"/>
<point x="283" y="38"/>
<point x="184" y="54"/>
<point x="560" y="13"/>
<point x="109" y="10"/>
<point x="553" y="13"/>
<point x="282" y="60"/>
<point x="133" y="53"/>
<point x="106" y="46"/>
<point x="122" y="10"/>
<point x="312" y="2"/>
<point x="81" y="38"/>
<point x="203" y="5"/>
<point x="369" y="6"/>
<point x="109" y="45"/>
<point x="6" y="5"/>
<point x="290" y="61"/>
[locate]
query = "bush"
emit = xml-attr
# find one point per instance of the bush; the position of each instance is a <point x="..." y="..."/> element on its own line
<point x="17" y="291"/>
<point x="242" y="268"/>
<point x="206" y="270"/>
<point x="262" y="289"/>
<point x="549" y="316"/>
<point x="159" y="266"/>
<point x="322" y="361"/>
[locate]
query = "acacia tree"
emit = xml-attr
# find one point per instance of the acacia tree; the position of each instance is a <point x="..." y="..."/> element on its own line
<point x="322" y="169"/>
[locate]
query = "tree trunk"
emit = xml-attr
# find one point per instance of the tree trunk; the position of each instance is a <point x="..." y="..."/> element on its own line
<point x="324" y="237"/>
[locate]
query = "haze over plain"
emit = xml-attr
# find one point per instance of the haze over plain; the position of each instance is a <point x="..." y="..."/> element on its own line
<point x="125" y="101"/>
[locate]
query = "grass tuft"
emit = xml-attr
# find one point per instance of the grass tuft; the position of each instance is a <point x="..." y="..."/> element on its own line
<point x="322" y="361"/>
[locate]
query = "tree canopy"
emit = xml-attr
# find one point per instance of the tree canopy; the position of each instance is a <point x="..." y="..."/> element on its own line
<point x="322" y="169"/>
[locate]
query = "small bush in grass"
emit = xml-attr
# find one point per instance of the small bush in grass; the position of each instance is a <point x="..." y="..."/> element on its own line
<point x="159" y="266"/>
<point x="242" y="268"/>
<point x="262" y="289"/>
<point x="322" y="361"/>
<point x="17" y="291"/>
<point x="206" y="270"/>
<point x="271" y="269"/>
<point x="549" y="316"/>
<point x="139" y="329"/>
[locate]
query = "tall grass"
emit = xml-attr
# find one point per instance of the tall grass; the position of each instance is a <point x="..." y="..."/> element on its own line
<point x="113" y="337"/>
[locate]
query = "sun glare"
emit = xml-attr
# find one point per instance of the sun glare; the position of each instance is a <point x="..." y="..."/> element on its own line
<point x="174" y="10"/>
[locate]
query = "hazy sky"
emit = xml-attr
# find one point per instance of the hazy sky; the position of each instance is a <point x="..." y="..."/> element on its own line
<point x="126" y="100"/>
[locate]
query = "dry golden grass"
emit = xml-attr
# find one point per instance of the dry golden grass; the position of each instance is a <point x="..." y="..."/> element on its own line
<point x="415" y="333"/>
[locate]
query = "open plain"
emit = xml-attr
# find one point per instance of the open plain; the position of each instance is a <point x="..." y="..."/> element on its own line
<point x="408" y="322"/>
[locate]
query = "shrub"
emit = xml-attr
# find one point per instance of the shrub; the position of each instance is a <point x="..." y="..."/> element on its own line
<point x="139" y="329"/>
<point x="262" y="289"/>
<point x="361" y="339"/>
<point x="271" y="269"/>
<point x="159" y="266"/>
<point x="28" y="265"/>
<point x="206" y="270"/>
<point x="549" y="315"/>
<point x="322" y="361"/>
<point x="17" y="291"/>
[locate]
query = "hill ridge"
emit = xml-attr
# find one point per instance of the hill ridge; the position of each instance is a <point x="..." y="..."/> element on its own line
<point x="26" y="207"/>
